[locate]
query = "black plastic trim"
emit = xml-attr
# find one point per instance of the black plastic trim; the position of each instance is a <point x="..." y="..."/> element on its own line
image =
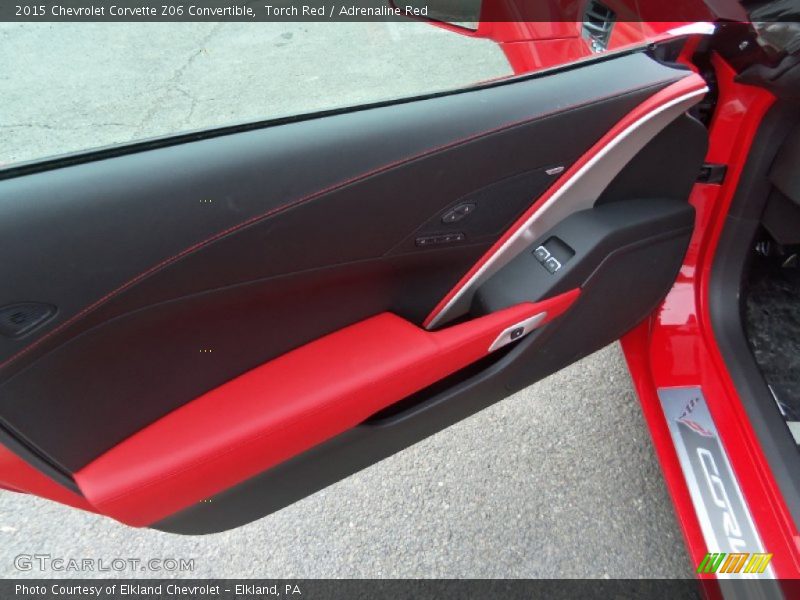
<point x="36" y="460"/>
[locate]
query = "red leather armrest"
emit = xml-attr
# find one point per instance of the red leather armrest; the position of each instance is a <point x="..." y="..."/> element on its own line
<point x="284" y="407"/>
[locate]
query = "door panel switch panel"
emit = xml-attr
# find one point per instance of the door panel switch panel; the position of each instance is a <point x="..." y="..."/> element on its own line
<point x="438" y="240"/>
<point x="553" y="254"/>
<point x="23" y="317"/>
<point x="457" y="213"/>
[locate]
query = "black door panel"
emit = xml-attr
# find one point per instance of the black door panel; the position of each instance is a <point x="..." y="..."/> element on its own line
<point x="627" y="254"/>
<point x="176" y="265"/>
<point x="253" y="243"/>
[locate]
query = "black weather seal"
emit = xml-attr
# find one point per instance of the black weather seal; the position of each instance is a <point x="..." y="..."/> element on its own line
<point x="36" y="459"/>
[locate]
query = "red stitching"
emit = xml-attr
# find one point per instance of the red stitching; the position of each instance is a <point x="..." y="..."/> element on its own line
<point x="334" y="187"/>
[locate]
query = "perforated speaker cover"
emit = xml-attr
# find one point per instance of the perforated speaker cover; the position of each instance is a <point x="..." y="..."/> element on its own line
<point x="23" y="317"/>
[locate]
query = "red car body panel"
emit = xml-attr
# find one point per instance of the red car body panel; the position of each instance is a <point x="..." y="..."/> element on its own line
<point x="542" y="34"/>
<point x="535" y="45"/>
<point x="676" y="347"/>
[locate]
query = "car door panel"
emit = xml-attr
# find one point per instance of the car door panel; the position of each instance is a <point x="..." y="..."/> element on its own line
<point x="635" y="272"/>
<point x="182" y="268"/>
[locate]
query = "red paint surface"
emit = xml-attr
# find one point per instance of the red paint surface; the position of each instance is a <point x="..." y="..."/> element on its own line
<point x="677" y="346"/>
<point x="542" y="34"/>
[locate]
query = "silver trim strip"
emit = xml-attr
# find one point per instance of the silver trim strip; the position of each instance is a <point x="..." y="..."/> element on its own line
<point x="794" y="429"/>
<point x="699" y="28"/>
<point x="578" y="193"/>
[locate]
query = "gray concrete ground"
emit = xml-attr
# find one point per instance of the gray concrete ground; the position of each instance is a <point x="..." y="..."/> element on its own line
<point x="80" y="85"/>
<point x="558" y="481"/>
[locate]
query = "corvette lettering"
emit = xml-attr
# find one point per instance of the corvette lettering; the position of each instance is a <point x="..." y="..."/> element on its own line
<point x="720" y="496"/>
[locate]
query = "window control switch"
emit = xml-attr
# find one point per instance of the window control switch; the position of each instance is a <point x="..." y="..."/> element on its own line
<point x="541" y="254"/>
<point x="552" y="265"/>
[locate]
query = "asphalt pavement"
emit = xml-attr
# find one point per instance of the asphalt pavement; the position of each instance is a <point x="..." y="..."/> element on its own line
<point x="81" y="85"/>
<point x="560" y="480"/>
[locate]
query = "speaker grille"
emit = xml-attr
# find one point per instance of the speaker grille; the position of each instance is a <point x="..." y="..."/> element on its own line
<point x="18" y="319"/>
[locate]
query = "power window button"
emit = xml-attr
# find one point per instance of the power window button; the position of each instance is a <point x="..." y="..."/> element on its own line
<point x="541" y="254"/>
<point x="459" y="212"/>
<point x="552" y="265"/>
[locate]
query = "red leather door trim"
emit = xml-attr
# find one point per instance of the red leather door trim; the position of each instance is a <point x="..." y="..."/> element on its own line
<point x="285" y="407"/>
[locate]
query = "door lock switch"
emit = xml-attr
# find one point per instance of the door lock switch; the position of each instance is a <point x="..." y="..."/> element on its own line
<point x="517" y="331"/>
